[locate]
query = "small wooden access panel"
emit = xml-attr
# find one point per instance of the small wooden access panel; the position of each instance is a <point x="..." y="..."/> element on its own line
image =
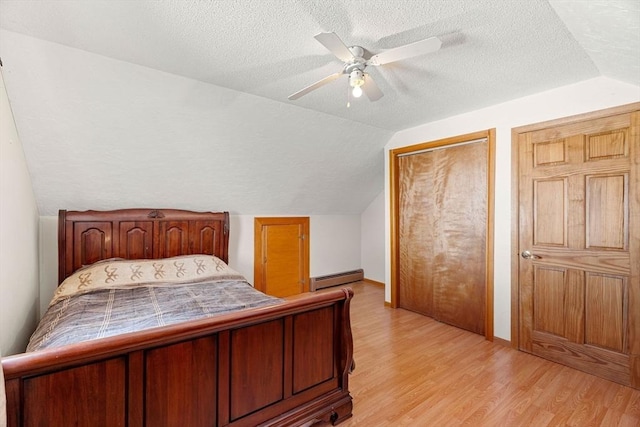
<point x="281" y="255"/>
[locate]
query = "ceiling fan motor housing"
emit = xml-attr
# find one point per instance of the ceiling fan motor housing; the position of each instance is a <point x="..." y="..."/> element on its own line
<point x="357" y="51"/>
<point x="355" y="67"/>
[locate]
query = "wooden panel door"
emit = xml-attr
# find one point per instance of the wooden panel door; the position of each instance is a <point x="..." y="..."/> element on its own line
<point x="579" y="238"/>
<point x="442" y="227"/>
<point x="281" y="255"/>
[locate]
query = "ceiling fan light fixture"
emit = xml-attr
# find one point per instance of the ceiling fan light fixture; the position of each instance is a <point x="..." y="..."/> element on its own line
<point x="356" y="78"/>
<point x="355" y="63"/>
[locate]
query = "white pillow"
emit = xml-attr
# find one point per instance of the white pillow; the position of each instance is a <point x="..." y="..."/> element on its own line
<point x="121" y="273"/>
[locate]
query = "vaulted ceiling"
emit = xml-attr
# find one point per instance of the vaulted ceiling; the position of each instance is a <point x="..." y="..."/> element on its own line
<point x="184" y="104"/>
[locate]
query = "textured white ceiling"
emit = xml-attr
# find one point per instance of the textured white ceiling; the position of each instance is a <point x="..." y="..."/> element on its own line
<point x="495" y="50"/>
<point x="184" y="103"/>
<point x="609" y="31"/>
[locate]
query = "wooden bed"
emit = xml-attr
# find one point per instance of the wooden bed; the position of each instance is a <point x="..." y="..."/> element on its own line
<point x="285" y="364"/>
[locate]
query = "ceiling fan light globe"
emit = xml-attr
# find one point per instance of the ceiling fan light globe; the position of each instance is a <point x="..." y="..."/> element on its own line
<point x="357" y="92"/>
<point x="356" y="78"/>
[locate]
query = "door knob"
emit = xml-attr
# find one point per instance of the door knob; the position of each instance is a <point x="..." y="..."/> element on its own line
<point x="529" y="255"/>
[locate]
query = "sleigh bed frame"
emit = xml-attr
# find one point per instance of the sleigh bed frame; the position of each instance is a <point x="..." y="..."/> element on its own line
<point x="285" y="364"/>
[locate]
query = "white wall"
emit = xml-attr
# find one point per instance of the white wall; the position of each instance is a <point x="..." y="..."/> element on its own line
<point x="18" y="238"/>
<point x="586" y="96"/>
<point x="335" y="244"/>
<point x="372" y="242"/>
<point x="334" y="247"/>
<point x="3" y="400"/>
<point x="48" y="260"/>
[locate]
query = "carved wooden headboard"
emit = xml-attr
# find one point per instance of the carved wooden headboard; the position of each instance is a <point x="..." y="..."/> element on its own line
<point x="90" y="236"/>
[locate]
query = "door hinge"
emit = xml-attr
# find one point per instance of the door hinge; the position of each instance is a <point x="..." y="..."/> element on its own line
<point x="302" y="236"/>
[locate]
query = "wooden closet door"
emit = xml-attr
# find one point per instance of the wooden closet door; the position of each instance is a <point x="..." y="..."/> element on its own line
<point x="442" y="229"/>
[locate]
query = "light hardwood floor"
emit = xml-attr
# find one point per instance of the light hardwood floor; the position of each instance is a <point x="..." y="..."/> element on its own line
<point x="414" y="371"/>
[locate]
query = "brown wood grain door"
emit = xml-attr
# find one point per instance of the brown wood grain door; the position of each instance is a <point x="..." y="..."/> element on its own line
<point x="281" y="255"/>
<point x="579" y="244"/>
<point x="442" y="231"/>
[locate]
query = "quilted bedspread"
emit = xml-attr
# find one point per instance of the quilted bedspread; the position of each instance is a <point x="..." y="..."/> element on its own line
<point x="93" y="312"/>
<point x="108" y="312"/>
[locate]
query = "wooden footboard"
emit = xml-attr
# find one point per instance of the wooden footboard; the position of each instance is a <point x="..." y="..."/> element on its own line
<point x="279" y="365"/>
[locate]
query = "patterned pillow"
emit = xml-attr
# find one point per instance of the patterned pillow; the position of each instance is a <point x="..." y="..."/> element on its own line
<point x="121" y="273"/>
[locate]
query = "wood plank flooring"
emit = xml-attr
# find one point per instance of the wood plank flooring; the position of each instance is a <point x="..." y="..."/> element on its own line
<point x="414" y="371"/>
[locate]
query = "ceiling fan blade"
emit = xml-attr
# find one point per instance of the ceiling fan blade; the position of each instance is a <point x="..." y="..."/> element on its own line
<point x="371" y="89"/>
<point x="333" y="43"/>
<point x="410" y="50"/>
<point x="314" y="86"/>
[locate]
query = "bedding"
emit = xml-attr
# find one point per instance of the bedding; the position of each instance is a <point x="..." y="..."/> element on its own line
<point x="116" y="296"/>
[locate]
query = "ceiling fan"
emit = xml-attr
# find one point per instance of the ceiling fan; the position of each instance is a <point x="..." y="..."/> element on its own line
<point x="355" y="63"/>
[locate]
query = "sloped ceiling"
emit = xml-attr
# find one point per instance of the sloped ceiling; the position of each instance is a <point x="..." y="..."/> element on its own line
<point x="184" y="104"/>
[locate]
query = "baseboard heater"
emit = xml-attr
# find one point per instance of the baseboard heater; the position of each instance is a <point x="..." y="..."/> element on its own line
<point x="321" y="282"/>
